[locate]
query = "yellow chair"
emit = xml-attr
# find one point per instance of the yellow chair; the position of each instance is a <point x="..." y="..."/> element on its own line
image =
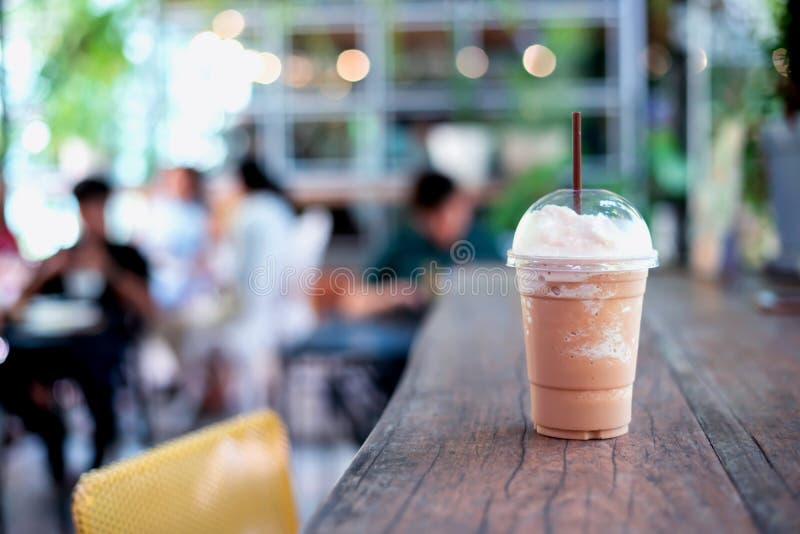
<point x="229" y="477"/>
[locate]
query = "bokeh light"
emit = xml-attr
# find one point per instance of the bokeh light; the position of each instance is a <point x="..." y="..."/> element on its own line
<point x="75" y="157"/>
<point x="352" y="65"/>
<point x="472" y="62"/>
<point x="4" y="349"/>
<point x="221" y="70"/>
<point x="228" y="24"/>
<point x="299" y="71"/>
<point x="35" y="136"/>
<point x="269" y="68"/>
<point x="250" y="64"/>
<point x="18" y="57"/>
<point x="42" y="224"/>
<point x="657" y="59"/>
<point x="698" y="61"/>
<point x="230" y="49"/>
<point x="539" y="61"/>
<point x="139" y="46"/>
<point x="203" y="43"/>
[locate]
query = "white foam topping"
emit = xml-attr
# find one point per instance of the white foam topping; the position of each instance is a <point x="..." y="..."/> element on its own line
<point x="559" y="232"/>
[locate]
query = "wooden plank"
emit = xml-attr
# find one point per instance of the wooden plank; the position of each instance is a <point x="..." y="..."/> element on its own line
<point x="454" y="451"/>
<point x="740" y="372"/>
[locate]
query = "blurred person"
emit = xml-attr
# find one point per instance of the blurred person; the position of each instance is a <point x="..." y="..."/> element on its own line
<point x="14" y="272"/>
<point x="260" y="237"/>
<point x="175" y="237"/>
<point x="114" y="279"/>
<point x="441" y="217"/>
<point x="379" y="324"/>
<point x="780" y="144"/>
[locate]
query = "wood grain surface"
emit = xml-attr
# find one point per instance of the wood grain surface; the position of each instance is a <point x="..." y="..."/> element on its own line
<point x="714" y="442"/>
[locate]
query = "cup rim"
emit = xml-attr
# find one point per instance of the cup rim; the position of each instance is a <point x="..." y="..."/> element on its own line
<point x="564" y="264"/>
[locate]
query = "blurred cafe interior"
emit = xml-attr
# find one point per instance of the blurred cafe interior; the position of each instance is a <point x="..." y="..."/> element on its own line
<point x="165" y="162"/>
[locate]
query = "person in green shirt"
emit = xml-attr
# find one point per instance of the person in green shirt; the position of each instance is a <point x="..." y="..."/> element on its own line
<point x="378" y="322"/>
<point x="442" y="218"/>
<point x="441" y="232"/>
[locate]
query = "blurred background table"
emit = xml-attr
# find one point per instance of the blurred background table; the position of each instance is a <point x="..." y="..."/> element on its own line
<point x="712" y="446"/>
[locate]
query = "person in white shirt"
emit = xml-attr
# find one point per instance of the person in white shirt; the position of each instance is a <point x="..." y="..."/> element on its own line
<point x="260" y="235"/>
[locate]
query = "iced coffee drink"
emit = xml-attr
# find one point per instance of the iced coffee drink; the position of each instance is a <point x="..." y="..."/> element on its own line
<point x="581" y="279"/>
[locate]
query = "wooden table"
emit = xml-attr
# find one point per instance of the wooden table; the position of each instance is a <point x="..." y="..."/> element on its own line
<point x="714" y="444"/>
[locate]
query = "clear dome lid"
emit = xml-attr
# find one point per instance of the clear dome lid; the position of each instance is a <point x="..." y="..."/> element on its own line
<point x="588" y="230"/>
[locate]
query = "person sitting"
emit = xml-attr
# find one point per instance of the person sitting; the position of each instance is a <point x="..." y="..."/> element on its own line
<point x="441" y="223"/>
<point x="441" y="216"/>
<point x="114" y="278"/>
<point x="379" y="323"/>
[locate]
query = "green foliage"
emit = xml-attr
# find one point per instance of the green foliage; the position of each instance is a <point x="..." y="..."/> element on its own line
<point x="616" y="183"/>
<point x="754" y="188"/>
<point x="666" y="163"/>
<point x="78" y="81"/>
<point x="520" y="193"/>
<point x="525" y="189"/>
<point x="575" y="49"/>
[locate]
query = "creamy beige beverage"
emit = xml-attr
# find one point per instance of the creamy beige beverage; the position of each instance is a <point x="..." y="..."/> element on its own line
<point x="581" y="279"/>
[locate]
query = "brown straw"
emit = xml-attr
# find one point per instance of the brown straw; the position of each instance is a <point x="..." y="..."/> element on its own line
<point x="576" y="161"/>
